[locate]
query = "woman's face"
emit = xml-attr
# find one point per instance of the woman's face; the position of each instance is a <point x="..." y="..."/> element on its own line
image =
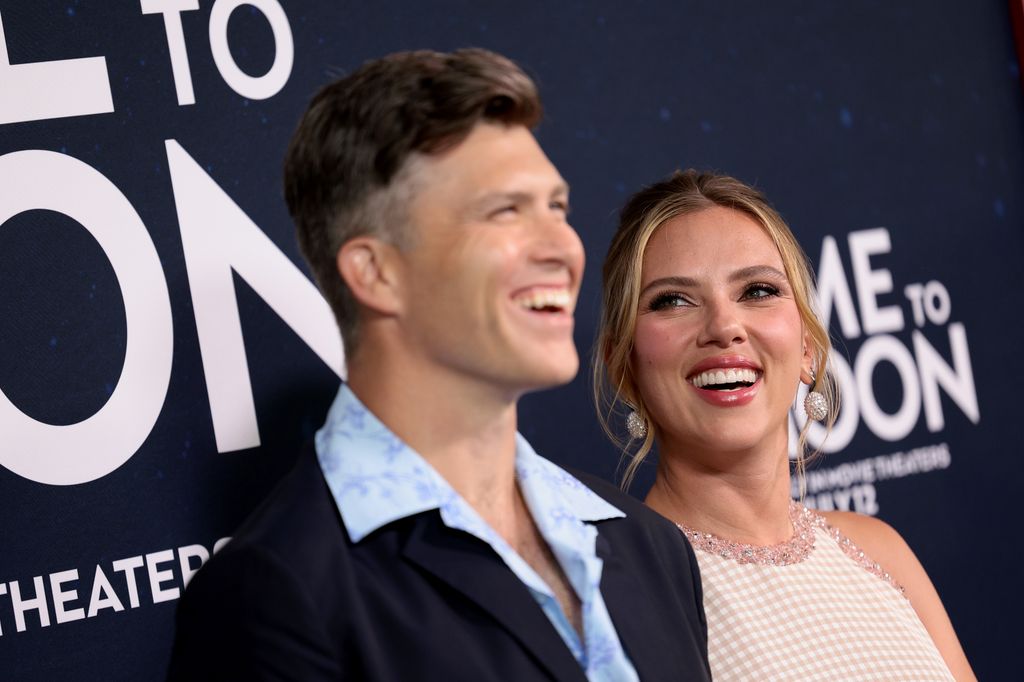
<point x="719" y="346"/>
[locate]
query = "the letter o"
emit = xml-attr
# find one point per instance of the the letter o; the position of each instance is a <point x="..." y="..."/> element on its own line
<point x="94" y="447"/>
<point x="253" y="87"/>
<point x="890" y="427"/>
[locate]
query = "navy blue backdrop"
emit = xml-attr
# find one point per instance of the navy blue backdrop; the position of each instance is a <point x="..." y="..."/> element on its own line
<point x="162" y="353"/>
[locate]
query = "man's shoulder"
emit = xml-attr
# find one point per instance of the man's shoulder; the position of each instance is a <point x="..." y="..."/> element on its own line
<point x="298" y="515"/>
<point x="643" y="534"/>
<point x="634" y="509"/>
<point x="274" y="583"/>
<point x="651" y="571"/>
<point x="295" y="534"/>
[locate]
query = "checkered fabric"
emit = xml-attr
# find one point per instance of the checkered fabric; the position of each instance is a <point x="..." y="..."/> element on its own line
<point x="825" y="618"/>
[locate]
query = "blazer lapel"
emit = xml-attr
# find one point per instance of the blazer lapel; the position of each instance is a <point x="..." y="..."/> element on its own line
<point x="626" y="602"/>
<point x="469" y="566"/>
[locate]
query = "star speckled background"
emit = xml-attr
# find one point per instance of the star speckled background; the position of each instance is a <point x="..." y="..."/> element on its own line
<point x="849" y="116"/>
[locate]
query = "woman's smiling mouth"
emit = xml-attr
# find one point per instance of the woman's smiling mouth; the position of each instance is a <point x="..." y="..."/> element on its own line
<point x="725" y="379"/>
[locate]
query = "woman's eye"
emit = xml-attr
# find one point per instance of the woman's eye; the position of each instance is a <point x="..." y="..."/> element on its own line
<point x="663" y="301"/>
<point x="760" y="290"/>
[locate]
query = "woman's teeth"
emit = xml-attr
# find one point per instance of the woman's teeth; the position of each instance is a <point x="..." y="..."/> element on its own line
<point x="724" y="379"/>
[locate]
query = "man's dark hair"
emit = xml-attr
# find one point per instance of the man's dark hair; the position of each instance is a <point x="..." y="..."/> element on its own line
<point x="344" y="165"/>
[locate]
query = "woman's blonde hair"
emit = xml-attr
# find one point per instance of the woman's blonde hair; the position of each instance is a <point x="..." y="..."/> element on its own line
<point x="683" y="193"/>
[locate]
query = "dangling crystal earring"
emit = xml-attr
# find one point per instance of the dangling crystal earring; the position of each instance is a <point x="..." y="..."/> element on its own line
<point x="636" y="425"/>
<point x="815" y="406"/>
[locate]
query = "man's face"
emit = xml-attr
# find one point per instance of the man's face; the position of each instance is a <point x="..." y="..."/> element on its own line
<point x="492" y="270"/>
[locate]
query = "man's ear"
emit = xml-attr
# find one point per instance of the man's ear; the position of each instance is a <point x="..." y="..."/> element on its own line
<point x="369" y="267"/>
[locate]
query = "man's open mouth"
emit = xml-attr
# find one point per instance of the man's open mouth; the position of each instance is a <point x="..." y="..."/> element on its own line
<point x="546" y="300"/>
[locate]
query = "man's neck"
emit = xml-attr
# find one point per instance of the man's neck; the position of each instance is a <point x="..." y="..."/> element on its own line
<point x="464" y="430"/>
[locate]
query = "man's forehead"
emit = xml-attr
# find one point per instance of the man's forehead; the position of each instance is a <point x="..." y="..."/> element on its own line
<point x="493" y="158"/>
<point x="553" y="186"/>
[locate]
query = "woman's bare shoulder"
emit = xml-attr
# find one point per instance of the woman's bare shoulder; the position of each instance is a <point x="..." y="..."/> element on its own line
<point x="875" y="537"/>
<point x="888" y="549"/>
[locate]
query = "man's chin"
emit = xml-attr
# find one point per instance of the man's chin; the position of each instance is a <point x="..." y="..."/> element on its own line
<point x="553" y="374"/>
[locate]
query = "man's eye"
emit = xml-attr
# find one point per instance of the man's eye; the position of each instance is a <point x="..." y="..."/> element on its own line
<point x="503" y="211"/>
<point x="662" y="301"/>
<point x="562" y="206"/>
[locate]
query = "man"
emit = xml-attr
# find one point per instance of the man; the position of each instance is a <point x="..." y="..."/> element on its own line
<point x="424" y="538"/>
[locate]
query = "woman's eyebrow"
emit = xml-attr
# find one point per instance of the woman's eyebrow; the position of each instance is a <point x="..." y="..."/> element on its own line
<point x="673" y="281"/>
<point x="757" y="271"/>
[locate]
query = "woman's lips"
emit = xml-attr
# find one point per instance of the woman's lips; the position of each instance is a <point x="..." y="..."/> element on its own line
<point x="726" y="371"/>
<point x="722" y="375"/>
<point x="732" y="398"/>
<point x="723" y="362"/>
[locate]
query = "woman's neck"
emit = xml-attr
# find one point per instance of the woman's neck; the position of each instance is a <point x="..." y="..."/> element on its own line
<point x="743" y="497"/>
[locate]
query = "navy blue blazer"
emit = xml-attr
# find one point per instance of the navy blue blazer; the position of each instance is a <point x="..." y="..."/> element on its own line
<point x="292" y="598"/>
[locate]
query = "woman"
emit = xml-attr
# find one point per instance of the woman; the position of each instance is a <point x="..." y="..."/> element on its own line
<point x="707" y="332"/>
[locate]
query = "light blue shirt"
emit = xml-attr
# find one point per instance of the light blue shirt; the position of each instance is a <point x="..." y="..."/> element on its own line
<point x="376" y="478"/>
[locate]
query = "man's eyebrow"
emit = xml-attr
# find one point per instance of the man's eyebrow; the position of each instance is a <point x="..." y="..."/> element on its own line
<point x="500" y="195"/>
<point x="517" y="196"/>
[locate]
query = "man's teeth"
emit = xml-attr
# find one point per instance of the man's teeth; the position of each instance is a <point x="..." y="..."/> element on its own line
<point x="715" y="377"/>
<point x="546" y="299"/>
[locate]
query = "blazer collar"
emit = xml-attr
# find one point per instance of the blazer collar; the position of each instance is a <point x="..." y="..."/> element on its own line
<point x="620" y="590"/>
<point x="473" y="569"/>
<point x="470" y="567"/>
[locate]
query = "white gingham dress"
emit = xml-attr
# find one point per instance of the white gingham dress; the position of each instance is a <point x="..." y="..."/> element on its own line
<point x="832" y="615"/>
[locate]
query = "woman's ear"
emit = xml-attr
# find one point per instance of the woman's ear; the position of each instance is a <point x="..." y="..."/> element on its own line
<point x="807" y="368"/>
<point x="369" y="266"/>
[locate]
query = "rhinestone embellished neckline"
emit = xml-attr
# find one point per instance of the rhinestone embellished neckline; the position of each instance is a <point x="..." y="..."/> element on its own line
<point x="791" y="551"/>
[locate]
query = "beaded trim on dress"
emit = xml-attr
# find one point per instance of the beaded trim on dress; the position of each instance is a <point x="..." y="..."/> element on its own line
<point x="792" y="551"/>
